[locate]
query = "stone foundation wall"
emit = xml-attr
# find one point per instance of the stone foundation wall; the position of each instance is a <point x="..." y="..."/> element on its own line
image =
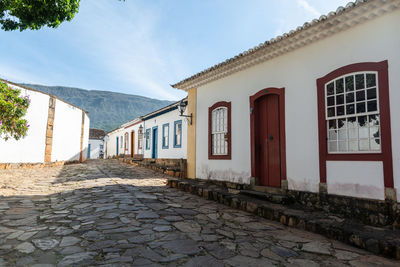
<point x="368" y="211"/>
<point x="171" y="167"/>
<point x="7" y="166"/>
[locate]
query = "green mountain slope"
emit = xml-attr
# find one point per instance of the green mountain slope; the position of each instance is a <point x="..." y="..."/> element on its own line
<point x="107" y="110"/>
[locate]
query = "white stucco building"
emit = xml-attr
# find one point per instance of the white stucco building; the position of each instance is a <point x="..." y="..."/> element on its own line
<point x="58" y="131"/>
<point x="96" y="143"/>
<point x="312" y="110"/>
<point x="160" y="135"/>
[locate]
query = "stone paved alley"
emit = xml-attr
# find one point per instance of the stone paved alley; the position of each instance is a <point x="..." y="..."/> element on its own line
<point x="109" y="213"/>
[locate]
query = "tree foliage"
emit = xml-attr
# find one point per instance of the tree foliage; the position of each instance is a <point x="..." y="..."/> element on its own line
<point x="34" y="14"/>
<point x="13" y="108"/>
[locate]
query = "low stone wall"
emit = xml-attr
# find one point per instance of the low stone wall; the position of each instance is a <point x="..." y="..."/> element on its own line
<point x="171" y="167"/>
<point x="368" y="211"/>
<point x="6" y="166"/>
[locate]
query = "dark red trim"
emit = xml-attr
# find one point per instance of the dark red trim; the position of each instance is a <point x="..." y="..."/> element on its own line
<point x="386" y="155"/>
<point x="210" y="110"/>
<point x="281" y="93"/>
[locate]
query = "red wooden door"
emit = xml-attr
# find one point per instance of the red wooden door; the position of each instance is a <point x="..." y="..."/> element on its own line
<point x="132" y="144"/>
<point x="267" y="140"/>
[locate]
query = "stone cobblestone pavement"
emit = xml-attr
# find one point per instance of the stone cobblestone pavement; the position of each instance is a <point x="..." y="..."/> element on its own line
<point x="107" y="213"/>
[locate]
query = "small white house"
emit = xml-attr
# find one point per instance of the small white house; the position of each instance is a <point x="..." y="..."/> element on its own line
<point x="165" y="133"/>
<point x="96" y="143"/>
<point x="160" y="134"/>
<point x="58" y="131"/>
<point x="313" y="110"/>
<point x="127" y="140"/>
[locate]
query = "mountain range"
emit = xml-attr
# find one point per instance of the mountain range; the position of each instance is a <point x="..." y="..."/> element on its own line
<point x="107" y="110"/>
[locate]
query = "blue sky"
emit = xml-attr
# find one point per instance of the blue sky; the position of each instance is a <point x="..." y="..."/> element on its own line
<point x="142" y="46"/>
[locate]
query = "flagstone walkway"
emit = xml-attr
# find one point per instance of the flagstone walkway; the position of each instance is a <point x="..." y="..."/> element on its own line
<point x="106" y="213"/>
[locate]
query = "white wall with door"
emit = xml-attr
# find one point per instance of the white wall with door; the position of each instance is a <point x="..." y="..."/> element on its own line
<point x="134" y="130"/>
<point x="171" y="135"/>
<point x="113" y="142"/>
<point x="297" y="72"/>
<point x="95" y="148"/>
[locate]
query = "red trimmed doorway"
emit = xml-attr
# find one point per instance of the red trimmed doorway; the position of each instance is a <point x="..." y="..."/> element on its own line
<point x="268" y="157"/>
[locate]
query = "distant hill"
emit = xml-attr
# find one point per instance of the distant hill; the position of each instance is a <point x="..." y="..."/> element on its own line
<point x="107" y="110"/>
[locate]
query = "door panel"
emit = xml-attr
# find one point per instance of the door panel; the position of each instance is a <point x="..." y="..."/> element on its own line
<point x="267" y="140"/>
<point x="132" y="144"/>
<point x="155" y="142"/>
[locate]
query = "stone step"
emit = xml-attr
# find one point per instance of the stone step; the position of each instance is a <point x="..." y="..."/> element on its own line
<point x="378" y="240"/>
<point x="274" y="198"/>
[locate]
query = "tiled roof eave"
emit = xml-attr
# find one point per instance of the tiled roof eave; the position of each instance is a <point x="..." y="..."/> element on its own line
<point x="344" y="18"/>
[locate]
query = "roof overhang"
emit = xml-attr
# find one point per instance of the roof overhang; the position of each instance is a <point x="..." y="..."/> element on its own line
<point x="344" y="18"/>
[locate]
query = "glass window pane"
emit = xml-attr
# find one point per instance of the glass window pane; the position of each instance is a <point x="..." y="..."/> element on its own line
<point x="362" y="120"/>
<point x="332" y="135"/>
<point x="349" y="83"/>
<point x="360" y="81"/>
<point x="332" y="146"/>
<point x="374" y="132"/>
<point x="352" y="122"/>
<point x="353" y="145"/>
<point x="364" y="144"/>
<point x="373" y="120"/>
<point x="340" y="111"/>
<point x="342" y="134"/>
<point x="331" y="112"/>
<point x="341" y="123"/>
<point x="330" y="89"/>
<point x="371" y="80"/>
<point x="350" y="109"/>
<point x="339" y="99"/>
<point x="331" y="101"/>
<point x="225" y="120"/>
<point x="332" y="124"/>
<point x="342" y="146"/>
<point x="353" y="133"/>
<point x="372" y="106"/>
<point x="361" y="107"/>
<point x="349" y="97"/>
<point x="371" y="93"/>
<point x="339" y="86"/>
<point x="360" y="95"/>
<point x="363" y="132"/>
<point x="375" y="144"/>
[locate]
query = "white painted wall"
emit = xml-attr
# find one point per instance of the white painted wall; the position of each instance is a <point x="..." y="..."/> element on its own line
<point x="171" y="152"/>
<point x="111" y="142"/>
<point x="86" y="129"/>
<point x="95" y="148"/>
<point x="31" y="148"/>
<point x="129" y="130"/>
<point x="348" y="178"/>
<point x="66" y="132"/>
<point x="297" y="71"/>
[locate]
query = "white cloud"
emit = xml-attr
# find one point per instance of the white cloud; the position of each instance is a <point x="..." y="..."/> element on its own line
<point x="131" y="51"/>
<point x="304" y="4"/>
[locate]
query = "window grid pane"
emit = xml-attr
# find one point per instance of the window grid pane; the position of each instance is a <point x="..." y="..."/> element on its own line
<point x="219" y="131"/>
<point x="352" y="114"/>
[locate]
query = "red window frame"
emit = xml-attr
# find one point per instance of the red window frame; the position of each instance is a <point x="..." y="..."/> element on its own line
<point x="210" y="110"/>
<point x="384" y="105"/>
